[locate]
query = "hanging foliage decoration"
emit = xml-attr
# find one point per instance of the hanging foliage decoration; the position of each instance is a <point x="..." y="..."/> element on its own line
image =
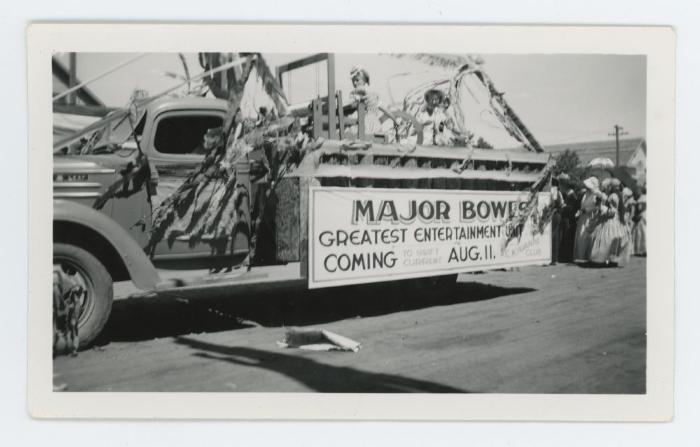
<point x="540" y="218"/>
<point x="466" y="66"/>
<point x="211" y="205"/>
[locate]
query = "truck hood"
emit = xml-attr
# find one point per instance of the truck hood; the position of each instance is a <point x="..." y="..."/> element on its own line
<point x="112" y="161"/>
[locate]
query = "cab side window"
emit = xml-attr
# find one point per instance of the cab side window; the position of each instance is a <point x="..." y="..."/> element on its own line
<point x="182" y="134"/>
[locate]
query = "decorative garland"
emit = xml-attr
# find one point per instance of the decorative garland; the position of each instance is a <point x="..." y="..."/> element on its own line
<point x="212" y="206"/>
<point x="531" y="211"/>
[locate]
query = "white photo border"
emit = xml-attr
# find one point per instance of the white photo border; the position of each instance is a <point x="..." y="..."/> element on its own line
<point x="657" y="43"/>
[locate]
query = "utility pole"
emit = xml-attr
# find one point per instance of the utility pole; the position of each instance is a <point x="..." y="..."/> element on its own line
<point x="617" y="134"/>
<point x="72" y="78"/>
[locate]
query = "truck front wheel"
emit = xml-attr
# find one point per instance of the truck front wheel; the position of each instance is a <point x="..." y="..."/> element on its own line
<point x="96" y="304"/>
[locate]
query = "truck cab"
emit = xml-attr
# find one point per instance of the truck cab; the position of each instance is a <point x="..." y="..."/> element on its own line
<point x="173" y="131"/>
<point x="99" y="247"/>
<point x="172" y="138"/>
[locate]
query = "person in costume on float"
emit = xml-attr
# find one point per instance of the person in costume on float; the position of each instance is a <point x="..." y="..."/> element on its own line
<point x="362" y="93"/>
<point x="435" y="121"/>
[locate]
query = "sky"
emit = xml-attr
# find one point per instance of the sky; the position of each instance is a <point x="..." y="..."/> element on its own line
<point x="560" y="98"/>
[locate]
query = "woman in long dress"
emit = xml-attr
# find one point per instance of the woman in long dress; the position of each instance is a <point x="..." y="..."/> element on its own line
<point x="586" y="219"/>
<point x="610" y="238"/>
<point x="629" y="205"/>
<point x="627" y="208"/>
<point x="639" y="230"/>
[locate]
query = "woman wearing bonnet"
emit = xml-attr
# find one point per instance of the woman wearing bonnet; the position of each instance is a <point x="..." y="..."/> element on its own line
<point x="629" y="204"/>
<point x="610" y="238"/>
<point x="587" y="219"/>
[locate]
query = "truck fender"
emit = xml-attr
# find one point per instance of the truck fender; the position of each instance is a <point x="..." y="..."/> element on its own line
<point x="140" y="268"/>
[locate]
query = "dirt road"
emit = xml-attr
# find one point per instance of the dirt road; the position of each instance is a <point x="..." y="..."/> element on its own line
<point x="561" y="329"/>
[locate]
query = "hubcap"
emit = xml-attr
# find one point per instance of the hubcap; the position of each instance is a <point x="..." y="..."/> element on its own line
<point x="80" y="278"/>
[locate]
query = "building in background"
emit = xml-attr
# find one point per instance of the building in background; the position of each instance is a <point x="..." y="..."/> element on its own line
<point x="74" y="111"/>
<point x="633" y="154"/>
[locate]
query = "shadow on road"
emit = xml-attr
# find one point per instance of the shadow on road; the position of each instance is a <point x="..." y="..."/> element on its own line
<point x="147" y="318"/>
<point x="595" y="266"/>
<point x="314" y="375"/>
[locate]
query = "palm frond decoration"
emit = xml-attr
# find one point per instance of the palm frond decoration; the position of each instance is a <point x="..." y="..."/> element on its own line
<point x="211" y="205"/>
<point x="186" y="70"/>
<point x="270" y="84"/>
<point x="220" y="83"/>
<point x="442" y="60"/>
<point x="230" y="84"/>
<point x="464" y="66"/>
<point x="539" y="218"/>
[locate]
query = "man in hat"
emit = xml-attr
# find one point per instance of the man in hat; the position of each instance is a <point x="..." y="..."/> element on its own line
<point x="557" y="202"/>
<point x="568" y="218"/>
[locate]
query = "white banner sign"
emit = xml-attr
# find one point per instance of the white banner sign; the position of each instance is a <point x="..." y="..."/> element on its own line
<point x="363" y="235"/>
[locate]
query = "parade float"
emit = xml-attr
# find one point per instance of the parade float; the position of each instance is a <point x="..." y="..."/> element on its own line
<point x="209" y="196"/>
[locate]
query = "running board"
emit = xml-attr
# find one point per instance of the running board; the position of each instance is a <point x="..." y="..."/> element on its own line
<point x="202" y="284"/>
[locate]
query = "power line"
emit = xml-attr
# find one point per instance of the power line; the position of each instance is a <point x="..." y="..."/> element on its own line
<point x="618" y="132"/>
<point x="74" y="87"/>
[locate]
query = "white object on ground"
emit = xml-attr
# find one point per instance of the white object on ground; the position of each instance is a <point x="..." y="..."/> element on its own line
<point x="317" y="340"/>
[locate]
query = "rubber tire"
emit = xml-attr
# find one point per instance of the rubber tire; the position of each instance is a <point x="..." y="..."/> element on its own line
<point x="100" y="291"/>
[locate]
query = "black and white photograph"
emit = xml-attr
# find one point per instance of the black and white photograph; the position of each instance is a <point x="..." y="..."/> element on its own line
<point x="349" y="222"/>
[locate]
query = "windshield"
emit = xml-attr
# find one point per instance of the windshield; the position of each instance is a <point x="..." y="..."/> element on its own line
<point x="184" y="134"/>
